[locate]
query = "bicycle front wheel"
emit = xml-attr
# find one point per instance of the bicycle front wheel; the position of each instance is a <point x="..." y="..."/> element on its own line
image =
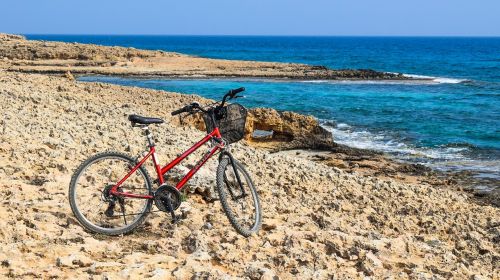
<point x="239" y="201"/>
<point x="99" y="211"/>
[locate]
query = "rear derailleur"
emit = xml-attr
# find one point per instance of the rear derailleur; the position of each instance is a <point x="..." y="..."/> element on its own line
<point x="106" y="196"/>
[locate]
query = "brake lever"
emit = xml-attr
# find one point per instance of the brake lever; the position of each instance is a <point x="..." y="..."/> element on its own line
<point x="239" y="96"/>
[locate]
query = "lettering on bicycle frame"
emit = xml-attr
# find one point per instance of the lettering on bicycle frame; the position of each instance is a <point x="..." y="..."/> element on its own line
<point x="202" y="160"/>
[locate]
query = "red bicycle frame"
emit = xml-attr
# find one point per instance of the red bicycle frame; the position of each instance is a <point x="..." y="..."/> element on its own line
<point x="161" y="171"/>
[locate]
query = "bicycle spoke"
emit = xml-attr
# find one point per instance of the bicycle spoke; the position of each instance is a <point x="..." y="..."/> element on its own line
<point x="132" y="214"/>
<point x="238" y="197"/>
<point x="131" y="189"/>
<point x="90" y="208"/>
<point x="91" y="194"/>
<point x="123" y="212"/>
<point x="240" y="202"/>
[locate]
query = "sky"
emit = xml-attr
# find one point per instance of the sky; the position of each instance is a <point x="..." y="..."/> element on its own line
<point x="253" y="17"/>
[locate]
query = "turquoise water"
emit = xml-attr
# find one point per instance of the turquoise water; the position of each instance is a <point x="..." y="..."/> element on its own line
<point x="452" y="122"/>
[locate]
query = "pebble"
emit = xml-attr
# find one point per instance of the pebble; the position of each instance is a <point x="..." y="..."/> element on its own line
<point x="207" y="226"/>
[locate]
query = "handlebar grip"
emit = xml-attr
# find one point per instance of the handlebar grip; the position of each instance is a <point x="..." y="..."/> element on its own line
<point x="233" y="92"/>
<point x="187" y="108"/>
<point x="181" y="110"/>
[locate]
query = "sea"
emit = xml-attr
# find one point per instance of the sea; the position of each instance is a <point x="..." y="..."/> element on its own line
<point x="450" y="122"/>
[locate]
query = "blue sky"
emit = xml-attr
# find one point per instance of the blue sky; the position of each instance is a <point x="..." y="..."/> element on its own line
<point x="255" y="17"/>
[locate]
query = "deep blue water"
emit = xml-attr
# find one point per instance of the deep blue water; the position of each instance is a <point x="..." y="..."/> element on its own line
<point x="452" y="122"/>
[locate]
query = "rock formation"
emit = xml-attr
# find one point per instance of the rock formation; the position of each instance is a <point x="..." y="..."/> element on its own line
<point x="289" y="129"/>
<point x="33" y="56"/>
<point x="319" y="222"/>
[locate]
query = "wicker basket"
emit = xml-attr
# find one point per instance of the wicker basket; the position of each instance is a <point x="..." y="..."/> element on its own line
<point x="231" y="121"/>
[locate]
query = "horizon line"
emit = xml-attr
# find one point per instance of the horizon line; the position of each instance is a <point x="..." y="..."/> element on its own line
<point x="257" y="35"/>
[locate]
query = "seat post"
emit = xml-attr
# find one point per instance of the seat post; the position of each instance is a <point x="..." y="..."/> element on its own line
<point x="149" y="136"/>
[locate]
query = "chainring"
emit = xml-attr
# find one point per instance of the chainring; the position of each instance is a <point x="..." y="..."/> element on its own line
<point x="165" y="192"/>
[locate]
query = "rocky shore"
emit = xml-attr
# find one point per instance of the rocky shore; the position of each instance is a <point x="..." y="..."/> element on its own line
<point x="320" y="222"/>
<point x="330" y="211"/>
<point x="30" y="56"/>
<point x="302" y="136"/>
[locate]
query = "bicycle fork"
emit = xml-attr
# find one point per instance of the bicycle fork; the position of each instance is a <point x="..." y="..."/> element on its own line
<point x="236" y="174"/>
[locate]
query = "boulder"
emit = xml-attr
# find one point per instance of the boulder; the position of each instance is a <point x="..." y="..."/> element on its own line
<point x="292" y="129"/>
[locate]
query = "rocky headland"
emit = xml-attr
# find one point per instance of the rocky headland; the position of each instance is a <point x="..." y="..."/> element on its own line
<point x="339" y="213"/>
<point x="31" y="56"/>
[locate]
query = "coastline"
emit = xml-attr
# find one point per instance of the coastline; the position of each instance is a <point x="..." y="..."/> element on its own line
<point x="44" y="57"/>
<point x="335" y="213"/>
<point x="470" y="179"/>
<point x="57" y="58"/>
<point x="367" y="226"/>
<point x="409" y="80"/>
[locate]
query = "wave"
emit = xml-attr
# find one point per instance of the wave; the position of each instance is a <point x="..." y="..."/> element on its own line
<point x="366" y="82"/>
<point x="414" y="80"/>
<point x="363" y="139"/>
<point x="452" y="157"/>
<point x="438" y="80"/>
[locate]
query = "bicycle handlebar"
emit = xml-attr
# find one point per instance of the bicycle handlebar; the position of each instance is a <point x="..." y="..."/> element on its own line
<point x="233" y="92"/>
<point x="180" y="111"/>
<point x="189" y="108"/>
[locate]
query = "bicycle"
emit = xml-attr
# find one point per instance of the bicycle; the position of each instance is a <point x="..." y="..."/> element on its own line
<point x="110" y="178"/>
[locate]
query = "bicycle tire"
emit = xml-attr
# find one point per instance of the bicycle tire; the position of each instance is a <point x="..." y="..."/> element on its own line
<point x="83" y="220"/>
<point x="223" y="197"/>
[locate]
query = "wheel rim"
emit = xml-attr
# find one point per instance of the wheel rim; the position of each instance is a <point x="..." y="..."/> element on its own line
<point x="244" y="208"/>
<point x="93" y="203"/>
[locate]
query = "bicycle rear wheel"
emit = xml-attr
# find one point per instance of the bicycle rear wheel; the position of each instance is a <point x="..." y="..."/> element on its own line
<point x="240" y="202"/>
<point x="95" y="208"/>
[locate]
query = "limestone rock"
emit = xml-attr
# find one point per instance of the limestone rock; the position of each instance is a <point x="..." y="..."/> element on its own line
<point x="319" y="222"/>
<point x="294" y="130"/>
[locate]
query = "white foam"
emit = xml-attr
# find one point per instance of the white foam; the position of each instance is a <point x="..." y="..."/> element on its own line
<point x="343" y="125"/>
<point x="438" y="80"/>
<point x="414" y="80"/>
<point x="449" y="80"/>
<point x="362" y="139"/>
<point x="367" y="82"/>
<point x="441" y="158"/>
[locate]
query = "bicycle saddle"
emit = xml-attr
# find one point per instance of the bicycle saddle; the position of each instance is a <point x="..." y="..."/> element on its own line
<point x="144" y="120"/>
